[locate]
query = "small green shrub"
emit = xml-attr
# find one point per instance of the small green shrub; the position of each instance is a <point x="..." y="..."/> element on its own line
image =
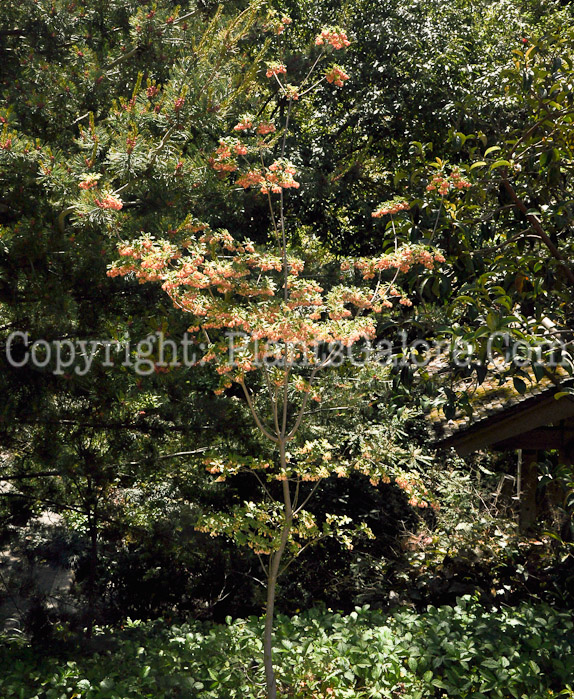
<point x="453" y="651"/>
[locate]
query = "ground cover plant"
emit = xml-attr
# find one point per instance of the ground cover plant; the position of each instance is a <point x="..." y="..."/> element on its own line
<point x="465" y="650"/>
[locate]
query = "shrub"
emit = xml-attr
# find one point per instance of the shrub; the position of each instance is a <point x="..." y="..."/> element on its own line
<point x="464" y="650"/>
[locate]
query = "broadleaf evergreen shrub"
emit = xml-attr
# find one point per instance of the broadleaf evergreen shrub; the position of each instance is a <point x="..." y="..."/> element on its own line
<point x="465" y="650"/>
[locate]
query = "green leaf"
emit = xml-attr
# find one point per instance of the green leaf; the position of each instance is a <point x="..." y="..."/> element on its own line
<point x="213" y="674"/>
<point x="546" y="158"/>
<point x="490" y="150"/>
<point x="458" y="140"/>
<point x="416" y="147"/>
<point x="538" y="370"/>
<point x="480" y="163"/>
<point x="492" y="320"/>
<point x="500" y="163"/>
<point x="440" y="684"/>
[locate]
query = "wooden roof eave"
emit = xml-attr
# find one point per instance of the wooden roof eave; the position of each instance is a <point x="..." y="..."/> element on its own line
<point x="515" y="427"/>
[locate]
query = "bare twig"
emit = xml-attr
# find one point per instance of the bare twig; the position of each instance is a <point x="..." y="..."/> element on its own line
<point x="255" y="415"/>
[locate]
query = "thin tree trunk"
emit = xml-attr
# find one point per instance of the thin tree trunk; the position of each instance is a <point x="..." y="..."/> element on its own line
<point x="270" y="681"/>
<point x="282" y="438"/>
<point x="92" y="572"/>
<point x="274" y="566"/>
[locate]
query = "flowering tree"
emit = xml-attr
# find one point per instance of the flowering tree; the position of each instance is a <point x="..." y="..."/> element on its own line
<point x="267" y="324"/>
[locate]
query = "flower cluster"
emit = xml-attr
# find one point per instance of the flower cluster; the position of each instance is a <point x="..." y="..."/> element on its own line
<point x="121" y="270"/>
<point x="276" y="23"/>
<point x="131" y="144"/>
<point x="250" y="179"/>
<point x="419" y="495"/>
<point x="305" y="293"/>
<point x="291" y="92"/>
<point x="361" y="299"/>
<point x="224" y="158"/>
<point x="333" y="36"/>
<point x="280" y="176"/>
<point x="401" y="260"/>
<point x="443" y="183"/>
<point x="393" y="206"/>
<point x="245" y="123"/>
<point x="335" y="74"/>
<point x="265" y="127"/>
<point x="89" y="181"/>
<point x="110" y="201"/>
<point x="275" y="68"/>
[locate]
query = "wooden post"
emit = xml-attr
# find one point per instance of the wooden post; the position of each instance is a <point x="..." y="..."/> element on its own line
<point x="527" y="484"/>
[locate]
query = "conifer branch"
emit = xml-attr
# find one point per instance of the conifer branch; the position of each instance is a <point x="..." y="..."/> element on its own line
<point x="121" y="59"/>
